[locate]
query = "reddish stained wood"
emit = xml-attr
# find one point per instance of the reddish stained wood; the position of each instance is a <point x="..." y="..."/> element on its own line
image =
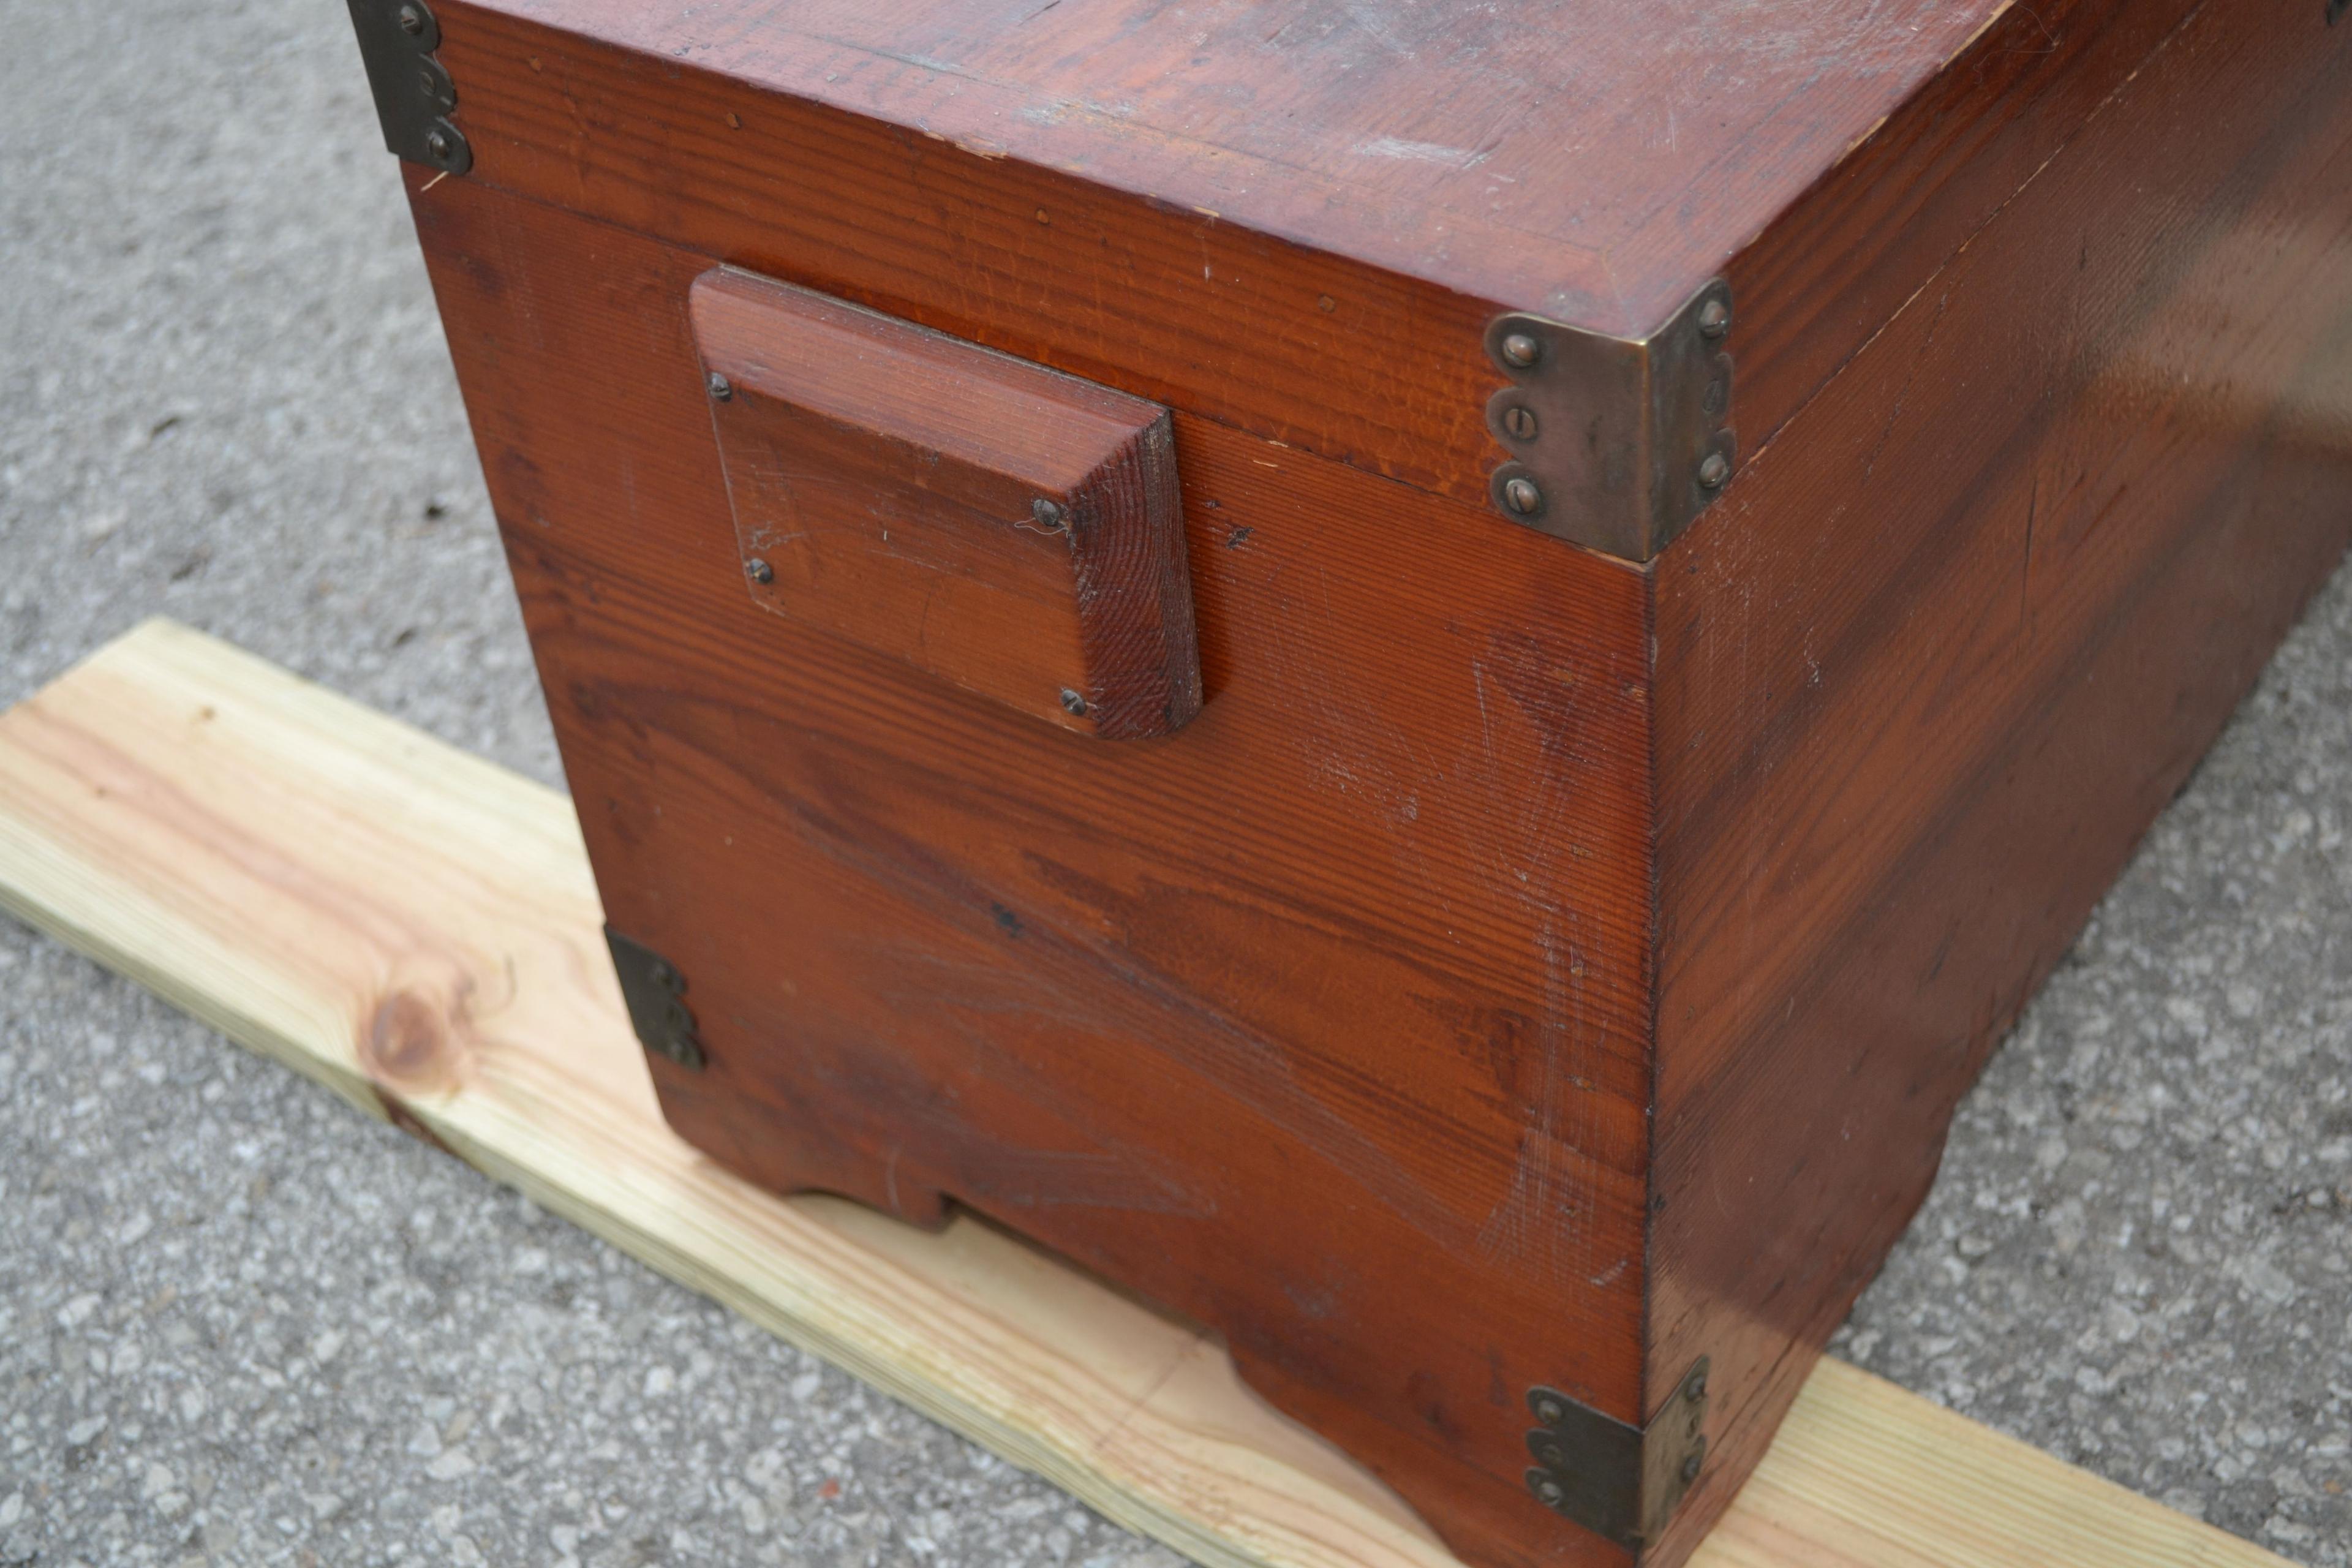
<point x="1008" y="528"/>
<point x="1948" y="649"/>
<point x="1334" y="1011"/>
<point x="1321" y="351"/>
<point x="1269" y="236"/>
<point x="1454" y="145"/>
<point x="1838" y="263"/>
<point x="1343" y="985"/>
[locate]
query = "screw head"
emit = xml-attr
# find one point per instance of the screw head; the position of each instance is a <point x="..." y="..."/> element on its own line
<point x="1073" y="704"/>
<point x="1520" y="350"/>
<point x="1521" y="421"/>
<point x="1713" y="318"/>
<point x="1048" y="515"/>
<point x="721" y="389"/>
<point x="1548" y="1491"/>
<point x="437" y="144"/>
<point x="1522" y="497"/>
<point x="1718" y="398"/>
<point x="411" y="21"/>
<point x="1549" y="1410"/>
<point x="1695" y="1389"/>
<point x="1714" y="469"/>
<point x="1690" y="1468"/>
<point x="758" y="571"/>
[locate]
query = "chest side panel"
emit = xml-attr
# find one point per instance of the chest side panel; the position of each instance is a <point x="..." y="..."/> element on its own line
<point x="1315" y="1020"/>
<point x="1949" y="645"/>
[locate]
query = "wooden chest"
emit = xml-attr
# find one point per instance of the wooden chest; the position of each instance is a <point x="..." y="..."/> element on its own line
<point x="1422" y="679"/>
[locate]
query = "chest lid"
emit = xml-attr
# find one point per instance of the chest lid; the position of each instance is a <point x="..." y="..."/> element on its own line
<point x="1302" y="220"/>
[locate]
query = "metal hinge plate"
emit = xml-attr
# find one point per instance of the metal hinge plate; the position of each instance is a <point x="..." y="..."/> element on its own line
<point x="414" y="95"/>
<point x="1621" y="1481"/>
<point x="1615" y="443"/>
<point x="655" y="994"/>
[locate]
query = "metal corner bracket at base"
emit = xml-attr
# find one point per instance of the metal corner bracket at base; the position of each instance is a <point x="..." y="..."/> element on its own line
<point x="413" y="94"/>
<point x="1615" y="444"/>
<point x="1621" y="1481"/>
<point x="655" y="994"/>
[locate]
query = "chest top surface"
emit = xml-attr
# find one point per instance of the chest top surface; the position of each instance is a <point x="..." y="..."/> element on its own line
<point x="1593" y="159"/>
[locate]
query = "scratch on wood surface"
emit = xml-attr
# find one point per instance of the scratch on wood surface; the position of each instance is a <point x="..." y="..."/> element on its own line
<point x="1378" y="22"/>
<point x="1421" y="151"/>
<point x="1903" y="394"/>
<point x="2025" y="567"/>
<point x="1537" y="1219"/>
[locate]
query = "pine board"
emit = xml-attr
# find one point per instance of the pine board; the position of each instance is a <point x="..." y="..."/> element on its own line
<point x="417" y="929"/>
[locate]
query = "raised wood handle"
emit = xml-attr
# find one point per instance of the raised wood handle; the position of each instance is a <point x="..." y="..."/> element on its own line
<point x="1013" y="530"/>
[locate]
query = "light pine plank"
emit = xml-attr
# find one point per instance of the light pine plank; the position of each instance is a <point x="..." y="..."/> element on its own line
<point x="417" y="929"/>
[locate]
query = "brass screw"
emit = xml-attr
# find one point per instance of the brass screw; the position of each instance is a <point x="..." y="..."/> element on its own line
<point x="1713" y="318"/>
<point x="758" y="571"/>
<point x="1714" y="469"/>
<point x="1521" y="349"/>
<point x="1522" y="497"/>
<point x="1521" y="421"/>
<point x="411" y="21"/>
<point x="721" y="389"/>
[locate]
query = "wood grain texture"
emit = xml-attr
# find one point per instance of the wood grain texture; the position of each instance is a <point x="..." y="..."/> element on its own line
<point x="1601" y="946"/>
<point x="1300" y="228"/>
<point x="1948" y="645"/>
<point x="1150" y="295"/>
<point x="1013" y="530"/>
<point x="1509" y="154"/>
<point x="418" y="930"/>
<point x="1344" y="985"/>
<point x="1837" y="263"/>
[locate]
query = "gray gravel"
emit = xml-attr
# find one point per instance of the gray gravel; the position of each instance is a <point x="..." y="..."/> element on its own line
<point x="240" y="1323"/>
<point x="2138" y="1252"/>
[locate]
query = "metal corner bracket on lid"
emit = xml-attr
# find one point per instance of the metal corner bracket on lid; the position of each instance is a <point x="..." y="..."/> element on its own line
<point x="1615" y="444"/>
<point x="1621" y="1481"/>
<point x="413" y="94"/>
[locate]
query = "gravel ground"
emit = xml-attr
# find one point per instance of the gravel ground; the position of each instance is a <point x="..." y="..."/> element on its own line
<point x="239" y="1323"/>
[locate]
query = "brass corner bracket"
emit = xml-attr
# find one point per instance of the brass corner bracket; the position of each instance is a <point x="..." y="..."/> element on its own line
<point x="413" y="94"/>
<point x="1616" y="444"/>
<point x="655" y="992"/>
<point x="1621" y="1481"/>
